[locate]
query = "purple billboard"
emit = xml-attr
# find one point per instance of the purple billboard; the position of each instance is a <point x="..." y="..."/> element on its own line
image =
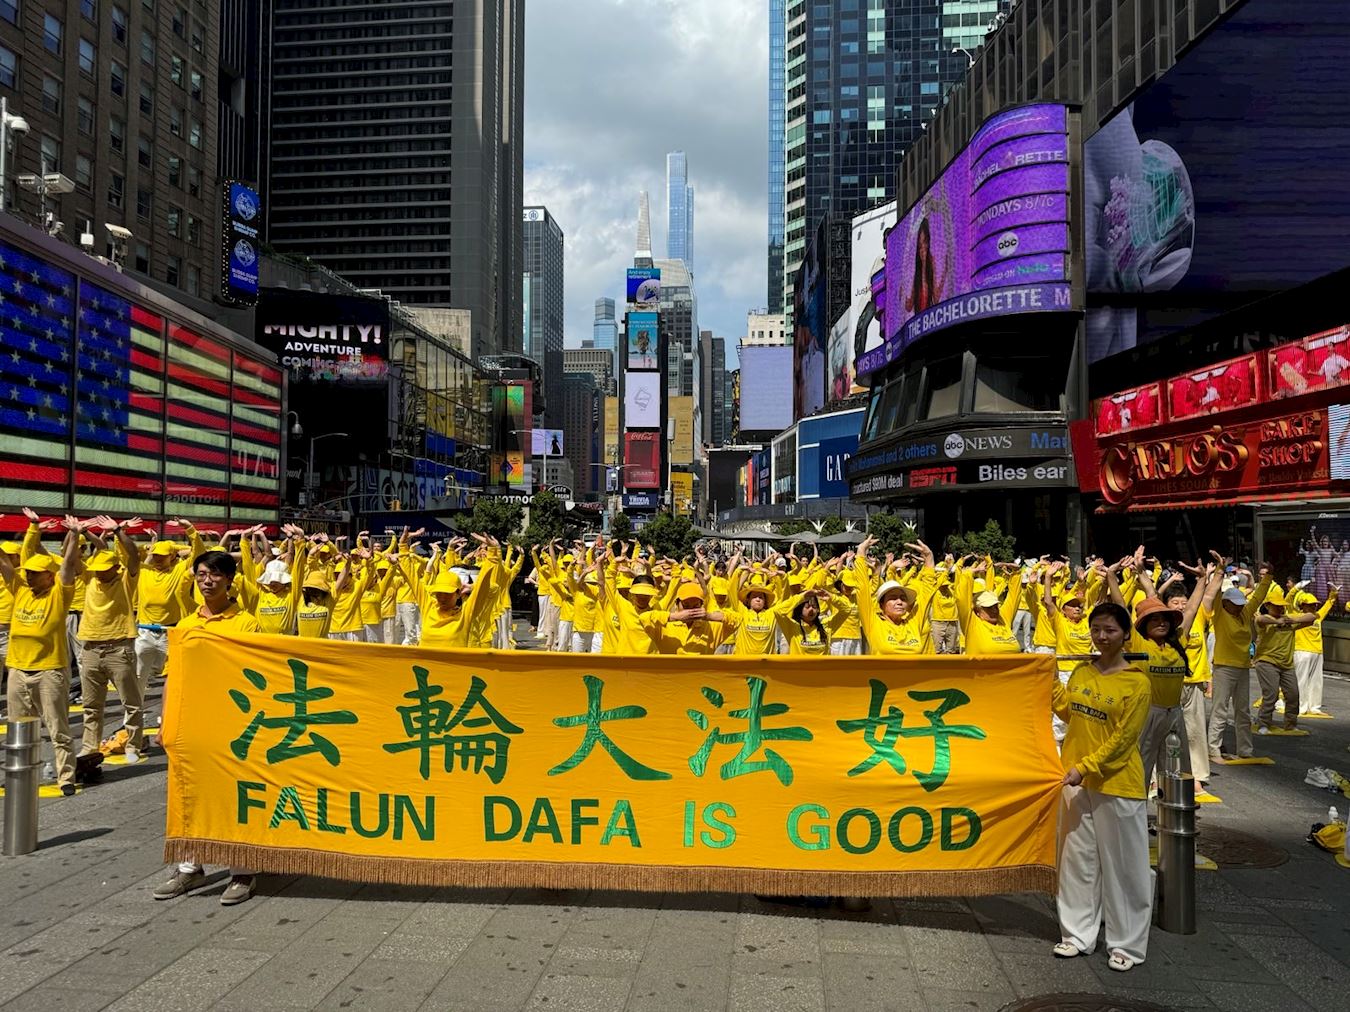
<point x="996" y="221"/>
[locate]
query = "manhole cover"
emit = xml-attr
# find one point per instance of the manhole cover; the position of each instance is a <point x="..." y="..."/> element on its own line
<point x="1082" y="1003"/>
<point x="1229" y="848"/>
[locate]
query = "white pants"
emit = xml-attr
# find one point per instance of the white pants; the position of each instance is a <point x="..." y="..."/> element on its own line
<point x="1308" y="670"/>
<point x="587" y="643"/>
<point x="1104" y="872"/>
<point x="73" y="641"/>
<point x="1021" y="628"/>
<point x="410" y="618"/>
<point x="152" y="650"/>
<point x="548" y="621"/>
<point x="1193" y="716"/>
<point x="374" y="632"/>
<point x="1153" y="740"/>
<point x="1059" y="727"/>
<point x="726" y="648"/>
<point x="845" y="648"/>
<point x="358" y="636"/>
<point x="387" y="630"/>
<point x="564" y="638"/>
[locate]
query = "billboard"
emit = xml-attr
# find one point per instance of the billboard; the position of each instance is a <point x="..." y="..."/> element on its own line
<point x="1221" y="387"/>
<point x="682" y="492"/>
<point x="642" y="400"/>
<point x="1221" y="182"/>
<point x="810" y="300"/>
<point x="839" y="362"/>
<point x="644" y="285"/>
<point x="325" y="338"/>
<point x="680" y="410"/>
<point x="642" y="341"/>
<point x="1319" y="362"/>
<point x="611" y="430"/>
<point x="1338" y="434"/>
<point x="990" y="237"/>
<point x="642" y="460"/>
<point x="546" y="442"/>
<point x="868" y="259"/>
<point x="240" y="217"/>
<point x="784" y="479"/>
<point x="824" y="446"/>
<point x="766" y="393"/>
<point x="1137" y="408"/>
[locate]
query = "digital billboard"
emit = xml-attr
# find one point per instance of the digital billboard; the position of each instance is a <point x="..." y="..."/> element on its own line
<point x="642" y="400"/>
<point x="824" y="446"/>
<point x="546" y="442"/>
<point x="864" y="328"/>
<point x="1220" y="387"/>
<point x="642" y="341"/>
<point x="989" y="238"/>
<point x="1318" y="362"/>
<point x="644" y="285"/>
<point x="810" y="300"/>
<point x="240" y="217"/>
<point x="680" y="410"/>
<point x="1137" y="408"/>
<point x="642" y="460"/>
<point x="611" y="430"/>
<point x="766" y="387"/>
<point x="1223" y="181"/>
<point x="1338" y="434"/>
<point x="682" y="492"/>
<point x="324" y="338"/>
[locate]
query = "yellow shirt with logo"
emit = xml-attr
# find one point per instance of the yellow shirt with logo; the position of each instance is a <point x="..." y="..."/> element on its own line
<point x="1165" y="668"/>
<point x="109" y="609"/>
<point x="1197" y="648"/>
<point x="312" y="621"/>
<point x="1105" y="716"/>
<point x="37" y="629"/>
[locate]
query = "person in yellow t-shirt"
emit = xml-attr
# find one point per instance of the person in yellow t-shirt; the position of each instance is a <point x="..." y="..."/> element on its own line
<point x="1308" y="650"/>
<point x="986" y="621"/>
<point x="691" y="628"/>
<point x="802" y="627"/>
<point x="1233" y="611"/>
<point x="315" y="613"/>
<point x="1275" y="631"/>
<point x="453" y="615"/>
<point x="39" y="649"/>
<point x="1067" y="620"/>
<point x="108" y="637"/>
<point x="11" y="549"/>
<point x="944" y="617"/>
<point x="1197" y="677"/>
<point x="894" y="616"/>
<point x="756" y="626"/>
<point x="1103" y="826"/>
<point x="847" y="640"/>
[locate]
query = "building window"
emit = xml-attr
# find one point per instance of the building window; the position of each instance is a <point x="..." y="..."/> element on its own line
<point x="145" y="153"/>
<point x="89" y="8"/>
<point x="51" y="154"/>
<point x="9" y="68"/>
<point x="176" y="171"/>
<point x="197" y="86"/>
<point x="176" y="69"/>
<point x="51" y="33"/>
<point x="144" y="204"/>
<point x="196" y="42"/>
<point x="147" y="99"/>
<point x="176" y="121"/>
<point x="195" y="135"/>
<point x="116" y="190"/>
<point x="117" y="134"/>
<point x="194" y="280"/>
<point x="51" y="95"/>
<point x="119" y="25"/>
<point x="143" y="258"/>
<point x="175" y="220"/>
<point x="119" y="78"/>
<point x="180" y="22"/>
<point x="87" y="56"/>
<point x="194" y="181"/>
<point x="194" y="229"/>
<point x="174" y="270"/>
<point x="85" y="118"/>
<point x="147" y="47"/>
<point x="84" y="172"/>
<point x="9" y="10"/>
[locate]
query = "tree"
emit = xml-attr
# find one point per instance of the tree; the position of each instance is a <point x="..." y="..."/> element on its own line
<point x="670" y="535"/>
<point x="620" y="527"/>
<point x="494" y="517"/>
<point x="892" y="533"/>
<point x="547" y="520"/>
<point x="991" y="541"/>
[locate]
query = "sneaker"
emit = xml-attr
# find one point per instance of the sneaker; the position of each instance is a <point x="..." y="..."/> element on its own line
<point x="238" y="891"/>
<point x="67" y="790"/>
<point x="132" y="755"/>
<point x="1263" y="729"/>
<point x="1318" y="777"/>
<point x="182" y="882"/>
<point x="115" y="745"/>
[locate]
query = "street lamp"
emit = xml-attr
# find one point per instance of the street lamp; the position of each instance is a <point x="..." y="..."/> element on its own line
<point x="970" y="60"/>
<point x="297" y="430"/>
<point x="11" y="126"/>
<point x="309" y="481"/>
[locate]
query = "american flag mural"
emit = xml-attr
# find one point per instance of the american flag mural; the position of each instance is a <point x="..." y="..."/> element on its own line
<point x="108" y="407"/>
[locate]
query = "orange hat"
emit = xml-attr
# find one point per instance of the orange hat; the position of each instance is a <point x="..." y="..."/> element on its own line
<point x="689" y="592"/>
<point x="1151" y="607"/>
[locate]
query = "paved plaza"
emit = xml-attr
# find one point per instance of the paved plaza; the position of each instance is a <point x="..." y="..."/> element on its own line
<point x="80" y="931"/>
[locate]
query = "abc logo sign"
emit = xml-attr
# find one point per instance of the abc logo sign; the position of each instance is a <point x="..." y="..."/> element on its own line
<point x="954" y="446"/>
<point x="1007" y="244"/>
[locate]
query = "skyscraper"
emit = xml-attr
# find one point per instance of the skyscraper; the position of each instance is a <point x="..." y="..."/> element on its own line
<point x="542" y="305"/>
<point x="777" y="126"/>
<point x="679" y="210"/>
<point x="369" y="128"/>
<point x="859" y="87"/>
<point x="605" y="330"/>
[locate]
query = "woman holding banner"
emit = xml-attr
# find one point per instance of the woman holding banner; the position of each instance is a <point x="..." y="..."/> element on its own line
<point x="1103" y="831"/>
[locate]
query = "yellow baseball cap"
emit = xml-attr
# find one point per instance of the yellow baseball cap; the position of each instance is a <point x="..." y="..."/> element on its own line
<point x="164" y="548"/>
<point x="101" y="562"/>
<point x="42" y="564"/>
<point x="689" y="592"/>
<point x="9" y="547"/>
<point x="446" y="582"/>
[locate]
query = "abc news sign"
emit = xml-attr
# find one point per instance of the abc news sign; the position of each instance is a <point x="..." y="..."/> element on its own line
<point x="959" y="445"/>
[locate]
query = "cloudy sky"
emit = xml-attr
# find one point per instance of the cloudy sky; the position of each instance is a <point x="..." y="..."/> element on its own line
<point x="610" y="87"/>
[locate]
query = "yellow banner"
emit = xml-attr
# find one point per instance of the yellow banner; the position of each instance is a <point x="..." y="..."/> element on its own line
<point x="866" y="776"/>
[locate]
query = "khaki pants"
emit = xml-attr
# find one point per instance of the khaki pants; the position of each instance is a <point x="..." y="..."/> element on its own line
<point x="1153" y="741"/>
<point x="100" y="663"/>
<point x="1274" y="681"/>
<point x="1232" y="696"/>
<point x="1193" y="712"/>
<point x="44" y="694"/>
<point x="946" y="637"/>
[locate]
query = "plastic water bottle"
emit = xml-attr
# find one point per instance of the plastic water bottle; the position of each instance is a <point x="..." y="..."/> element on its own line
<point x="1173" y="743"/>
<point x="1333" y="815"/>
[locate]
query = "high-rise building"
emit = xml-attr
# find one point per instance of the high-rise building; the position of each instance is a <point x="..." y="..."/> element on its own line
<point x="375" y="108"/>
<point x="710" y="410"/>
<point x="122" y="100"/>
<point x="241" y="96"/>
<point x="605" y="330"/>
<point x="542" y="305"/>
<point x="765" y="328"/>
<point x="679" y="210"/>
<point x="597" y="363"/>
<point x="860" y="86"/>
<point x="777" y="152"/>
<point x="582" y="422"/>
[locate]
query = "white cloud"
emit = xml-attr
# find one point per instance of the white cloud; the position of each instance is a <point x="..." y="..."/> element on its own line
<point x="612" y="86"/>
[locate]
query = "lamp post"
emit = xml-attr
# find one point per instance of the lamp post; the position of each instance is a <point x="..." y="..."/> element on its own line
<point x="11" y="126"/>
<point x="309" y="479"/>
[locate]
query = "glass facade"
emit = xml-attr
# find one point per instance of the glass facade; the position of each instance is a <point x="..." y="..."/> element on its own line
<point x="605" y="331"/>
<point x="777" y="124"/>
<point x="680" y="210"/>
<point x="543" y="306"/>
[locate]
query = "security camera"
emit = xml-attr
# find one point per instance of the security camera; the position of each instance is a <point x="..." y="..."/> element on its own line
<point x="117" y="231"/>
<point x="18" y="126"/>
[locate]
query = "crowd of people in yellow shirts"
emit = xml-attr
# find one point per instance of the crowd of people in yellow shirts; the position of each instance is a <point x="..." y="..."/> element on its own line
<point x="1137" y="652"/>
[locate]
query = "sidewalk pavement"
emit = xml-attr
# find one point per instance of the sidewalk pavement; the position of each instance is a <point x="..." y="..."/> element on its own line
<point x="80" y="931"/>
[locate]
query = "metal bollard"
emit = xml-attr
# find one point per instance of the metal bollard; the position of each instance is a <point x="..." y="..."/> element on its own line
<point x="1176" y="845"/>
<point x="21" y="765"/>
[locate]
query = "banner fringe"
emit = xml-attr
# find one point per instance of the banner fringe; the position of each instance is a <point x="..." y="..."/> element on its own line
<point x="635" y="877"/>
